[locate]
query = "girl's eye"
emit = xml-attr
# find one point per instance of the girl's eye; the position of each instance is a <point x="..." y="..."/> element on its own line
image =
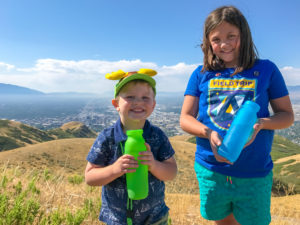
<point x="145" y="98"/>
<point x="215" y="40"/>
<point x="232" y="36"/>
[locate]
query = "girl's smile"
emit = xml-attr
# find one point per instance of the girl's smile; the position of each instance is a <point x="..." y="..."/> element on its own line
<point x="225" y="43"/>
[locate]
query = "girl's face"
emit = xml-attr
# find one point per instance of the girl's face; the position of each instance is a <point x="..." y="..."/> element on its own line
<point x="225" y="43"/>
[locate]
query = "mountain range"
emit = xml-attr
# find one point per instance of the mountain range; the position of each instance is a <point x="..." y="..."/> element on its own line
<point x="9" y="90"/>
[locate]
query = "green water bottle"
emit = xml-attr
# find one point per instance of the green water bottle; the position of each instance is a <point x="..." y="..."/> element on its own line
<point x="137" y="182"/>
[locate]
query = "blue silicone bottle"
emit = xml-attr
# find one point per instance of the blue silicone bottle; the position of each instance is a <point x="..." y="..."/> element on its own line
<point x="239" y="131"/>
<point x="137" y="182"/>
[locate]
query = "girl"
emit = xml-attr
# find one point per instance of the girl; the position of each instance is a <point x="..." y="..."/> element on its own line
<point x="237" y="193"/>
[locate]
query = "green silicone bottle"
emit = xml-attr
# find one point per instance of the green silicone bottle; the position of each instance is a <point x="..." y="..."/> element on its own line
<point x="137" y="182"/>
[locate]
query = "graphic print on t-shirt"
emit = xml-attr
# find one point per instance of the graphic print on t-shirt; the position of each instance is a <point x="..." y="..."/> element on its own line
<point x="226" y="97"/>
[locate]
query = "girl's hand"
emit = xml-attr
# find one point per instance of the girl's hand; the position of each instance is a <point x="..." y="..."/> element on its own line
<point x="215" y="141"/>
<point x="125" y="164"/>
<point x="257" y="127"/>
<point x="147" y="158"/>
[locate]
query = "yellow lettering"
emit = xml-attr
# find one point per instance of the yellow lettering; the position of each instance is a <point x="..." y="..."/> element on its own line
<point x="232" y="84"/>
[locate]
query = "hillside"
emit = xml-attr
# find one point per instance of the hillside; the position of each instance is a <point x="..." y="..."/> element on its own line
<point x="70" y="154"/>
<point x="59" y="166"/>
<point x="67" y="154"/>
<point x="73" y="129"/>
<point x="15" y="134"/>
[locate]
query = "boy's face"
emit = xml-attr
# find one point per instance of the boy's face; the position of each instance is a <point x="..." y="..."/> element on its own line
<point x="135" y="102"/>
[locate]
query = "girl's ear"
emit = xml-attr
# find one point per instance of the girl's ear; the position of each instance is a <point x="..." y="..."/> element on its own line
<point x="115" y="103"/>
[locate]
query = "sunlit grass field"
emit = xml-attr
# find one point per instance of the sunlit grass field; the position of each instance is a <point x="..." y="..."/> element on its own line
<point x="43" y="197"/>
<point x="44" y="184"/>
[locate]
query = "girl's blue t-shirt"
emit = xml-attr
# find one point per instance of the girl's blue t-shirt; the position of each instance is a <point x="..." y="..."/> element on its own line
<point x="220" y="97"/>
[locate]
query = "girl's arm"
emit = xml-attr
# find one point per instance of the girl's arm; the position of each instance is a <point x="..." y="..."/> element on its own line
<point x="188" y="121"/>
<point x="283" y="117"/>
<point x="190" y="124"/>
<point x="283" y="114"/>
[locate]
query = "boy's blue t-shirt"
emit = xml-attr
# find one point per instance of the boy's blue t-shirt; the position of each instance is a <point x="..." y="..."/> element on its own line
<point x="105" y="151"/>
<point x="220" y="96"/>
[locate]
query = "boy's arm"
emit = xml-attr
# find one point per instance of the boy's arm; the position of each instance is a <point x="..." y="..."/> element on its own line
<point x="165" y="170"/>
<point x="96" y="175"/>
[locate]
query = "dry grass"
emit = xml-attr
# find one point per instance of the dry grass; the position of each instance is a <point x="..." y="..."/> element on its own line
<point x="57" y="193"/>
<point x="54" y="162"/>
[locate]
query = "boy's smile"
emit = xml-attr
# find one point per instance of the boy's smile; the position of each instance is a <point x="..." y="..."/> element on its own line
<point x="135" y="104"/>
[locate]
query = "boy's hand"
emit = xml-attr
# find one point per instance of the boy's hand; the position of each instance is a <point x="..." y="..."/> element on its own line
<point x="215" y="141"/>
<point x="125" y="164"/>
<point x="147" y="158"/>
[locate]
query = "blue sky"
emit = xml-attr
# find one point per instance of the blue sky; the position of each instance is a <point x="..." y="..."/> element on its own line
<point x="69" y="45"/>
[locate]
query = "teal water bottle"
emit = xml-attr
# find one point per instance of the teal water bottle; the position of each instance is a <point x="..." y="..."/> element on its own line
<point x="239" y="131"/>
<point x="137" y="182"/>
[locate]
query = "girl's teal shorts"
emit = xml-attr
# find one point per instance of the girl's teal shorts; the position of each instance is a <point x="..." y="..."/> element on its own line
<point x="248" y="199"/>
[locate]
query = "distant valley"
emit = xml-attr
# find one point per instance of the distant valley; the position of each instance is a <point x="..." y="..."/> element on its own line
<point x="52" y="110"/>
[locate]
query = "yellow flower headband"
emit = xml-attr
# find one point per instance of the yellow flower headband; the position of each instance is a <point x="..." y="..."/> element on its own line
<point x="121" y="74"/>
<point x="125" y="77"/>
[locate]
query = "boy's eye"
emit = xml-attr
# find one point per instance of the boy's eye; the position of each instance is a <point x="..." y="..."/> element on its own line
<point x="145" y="98"/>
<point x="129" y="98"/>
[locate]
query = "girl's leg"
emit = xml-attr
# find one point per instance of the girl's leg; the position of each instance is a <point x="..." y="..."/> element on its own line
<point x="229" y="220"/>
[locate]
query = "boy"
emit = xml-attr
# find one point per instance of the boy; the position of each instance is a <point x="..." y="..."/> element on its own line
<point x="107" y="166"/>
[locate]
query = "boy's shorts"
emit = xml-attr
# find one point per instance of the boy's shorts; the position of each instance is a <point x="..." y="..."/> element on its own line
<point x="248" y="199"/>
<point x="162" y="221"/>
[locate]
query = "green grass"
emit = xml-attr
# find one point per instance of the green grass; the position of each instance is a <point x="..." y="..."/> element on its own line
<point x="21" y="200"/>
<point x="7" y="143"/>
<point x="60" y="134"/>
<point x="4" y="123"/>
<point x="75" y="179"/>
<point x="282" y="147"/>
<point x="289" y="182"/>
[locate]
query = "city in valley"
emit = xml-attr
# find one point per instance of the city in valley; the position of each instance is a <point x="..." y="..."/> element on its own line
<point x="48" y="112"/>
<point x="96" y="113"/>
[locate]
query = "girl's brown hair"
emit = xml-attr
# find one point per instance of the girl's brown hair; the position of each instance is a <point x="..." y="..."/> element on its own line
<point x="248" y="53"/>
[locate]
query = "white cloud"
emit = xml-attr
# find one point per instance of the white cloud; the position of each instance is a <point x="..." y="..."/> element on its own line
<point x="4" y="67"/>
<point x="291" y="75"/>
<point x="53" y="75"/>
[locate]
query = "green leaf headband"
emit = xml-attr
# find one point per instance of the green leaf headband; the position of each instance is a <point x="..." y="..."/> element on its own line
<point x="125" y="77"/>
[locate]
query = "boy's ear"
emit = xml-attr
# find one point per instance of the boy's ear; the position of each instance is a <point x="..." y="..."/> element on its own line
<point x="115" y="103"/>
<point x="154" y="104"/>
